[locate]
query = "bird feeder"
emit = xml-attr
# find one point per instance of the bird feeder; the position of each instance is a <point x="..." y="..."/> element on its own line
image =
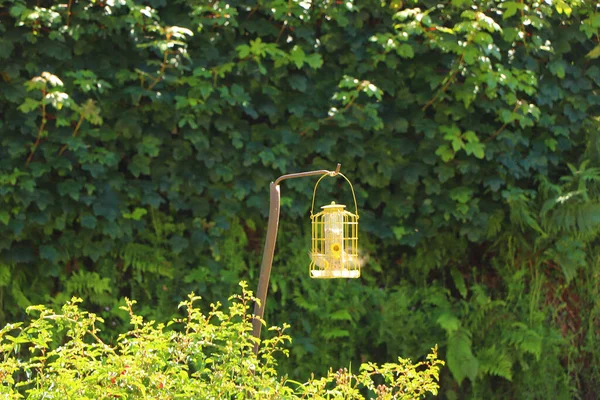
<point x="334" y="252"/>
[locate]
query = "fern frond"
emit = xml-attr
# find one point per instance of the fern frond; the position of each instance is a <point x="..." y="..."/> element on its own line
<point x="145" y="259"/>
<point x="547" y="188"/>
<point x="523" y="216"/>
<point x="574" y="217"/>
<point x="5" y="274"/>
<point x="85" y="283"/>
<point x="569" y="254"/>
<point x="525" y="339"/>
<point x="495" y="224"/>
<point x="495" y="362"/>
<point x="461" y="361"/>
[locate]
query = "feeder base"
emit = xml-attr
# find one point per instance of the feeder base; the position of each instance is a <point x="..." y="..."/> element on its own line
<point x="331" y="274"/>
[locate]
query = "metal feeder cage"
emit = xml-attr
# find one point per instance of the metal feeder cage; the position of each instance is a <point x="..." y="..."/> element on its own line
<point x="334" y="252"/>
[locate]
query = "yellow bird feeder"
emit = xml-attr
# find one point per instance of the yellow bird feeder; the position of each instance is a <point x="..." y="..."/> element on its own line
<point x="334" y="252"/>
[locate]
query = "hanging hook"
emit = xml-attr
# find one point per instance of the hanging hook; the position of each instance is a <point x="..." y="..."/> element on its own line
<point x="312" y="208"/>
<point x="337" y="170"/>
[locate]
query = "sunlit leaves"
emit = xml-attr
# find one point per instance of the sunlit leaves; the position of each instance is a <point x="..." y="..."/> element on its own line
<point x="90" y="112"/>
<point x="511" y="8"/>
<point x="152" y="360"/>
<point x="594" y="53"/>
<point x="174" y="118"/>
<point x="29" y="105"/>
<point x="591" y="24"/>
<point x="467" y="141"/>
<point x="88" y="81"/>
<point x="562" y="6"/>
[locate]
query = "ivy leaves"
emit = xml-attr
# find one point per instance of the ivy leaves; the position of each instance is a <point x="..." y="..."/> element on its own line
<point x="257" y="50"/>
<point x="467" y="141"/>
<point x="139" y="140"/>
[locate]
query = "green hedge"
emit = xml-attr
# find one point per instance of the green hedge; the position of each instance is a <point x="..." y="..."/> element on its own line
<point x="139" y="138"/>
<point x="209" y="356"/>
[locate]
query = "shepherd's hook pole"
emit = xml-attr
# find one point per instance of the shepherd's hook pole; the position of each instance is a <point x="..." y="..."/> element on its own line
<point x="269" y="250"/>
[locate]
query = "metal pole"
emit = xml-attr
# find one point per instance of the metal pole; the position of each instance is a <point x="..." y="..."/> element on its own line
<point x="267" y="262"/>
<point x="269" y="250"/>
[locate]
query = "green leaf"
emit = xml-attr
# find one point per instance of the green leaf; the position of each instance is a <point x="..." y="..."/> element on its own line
<point x="335" y="333"/>
<point x="70" y="188"/>
<point x="445" y="152"/>
<point x="594" y="53"/>
<point x="150" y="146"/>
<point x="511" y="34"/>
<point x="297" y="56"/>
<point x="178" y="244"/>
<point x="17" y="9"/>
<point x="20" y="298"/>
<point x="49" y="253"/>
<point x="341" y="315"/>
<point x="315" y="61"/>
<point x="563" y="7"/>
<point x="400" y="125"/>
<point x="557" y="67"/>
<point x="461" y="361"/>
<point x="136" y="215"/>
<point x="6" y="48"/>
<point x="551" y="144"/>
<point x="29" y="105"/>
<point x="449" y="322"/>
<point x="399" y="232"/>
<point x="298" y="82"/>
<point x="511" y="8"/>
<point x="470" y="136"/>
<point x="243" y="51"/>
<point x="526" y="339"/>
<point x="457" y="143"/>
<point x="372" y="91"/>
<point x="5" y="275"/>
<point x="460" y="3"/>
<point x="495" y="362"/>
<point x="407" y="13"/>
<point x="477" y="149"/>
<point x="88" y="221"/>
<point x="139" y="165"/>
<point x="461" y="194"/>
<point x="450" y="131"/>
<point x="487" y="22"/>
<point x="459" y="282"/>
<point x="4" y="217"/>
<point x="405" y="51"/>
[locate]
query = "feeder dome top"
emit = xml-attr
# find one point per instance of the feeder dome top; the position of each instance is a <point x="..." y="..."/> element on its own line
<point x="334" y="206"/>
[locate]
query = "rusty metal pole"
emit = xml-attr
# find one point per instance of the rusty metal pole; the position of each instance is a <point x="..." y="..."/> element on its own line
<point x="269" y="250"/>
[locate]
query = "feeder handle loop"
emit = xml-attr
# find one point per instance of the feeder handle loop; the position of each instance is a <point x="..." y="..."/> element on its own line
<point x="333" y="174"/>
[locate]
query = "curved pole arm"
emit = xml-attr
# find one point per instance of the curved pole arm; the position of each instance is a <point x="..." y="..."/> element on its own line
<point x="269" y="250"/>
<point x="309" y="173"/>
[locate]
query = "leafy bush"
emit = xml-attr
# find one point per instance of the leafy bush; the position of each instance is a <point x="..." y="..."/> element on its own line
<point x="198" y="356"/>
<point x="138" y="140"/>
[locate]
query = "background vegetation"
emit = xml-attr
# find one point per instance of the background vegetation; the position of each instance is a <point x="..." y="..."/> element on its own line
<point x="207" y="356"/>
<point x="139" y="138"/>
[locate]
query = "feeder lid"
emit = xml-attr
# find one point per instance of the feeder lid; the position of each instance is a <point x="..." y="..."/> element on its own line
<point x="334" y="206"/>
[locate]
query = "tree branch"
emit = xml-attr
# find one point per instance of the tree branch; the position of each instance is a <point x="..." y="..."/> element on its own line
<point x="75" y="132"/>
<point x="503" y="126"/>
<point x="446" y="85"/>
<point x="40" y="130"/>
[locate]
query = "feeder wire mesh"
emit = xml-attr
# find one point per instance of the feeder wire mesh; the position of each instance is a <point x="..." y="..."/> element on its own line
<point x="334" y="244"/>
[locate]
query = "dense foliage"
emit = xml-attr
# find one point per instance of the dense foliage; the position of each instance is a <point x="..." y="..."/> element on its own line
<point x="209" y="356"/>
<point x="139" y="138"/>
